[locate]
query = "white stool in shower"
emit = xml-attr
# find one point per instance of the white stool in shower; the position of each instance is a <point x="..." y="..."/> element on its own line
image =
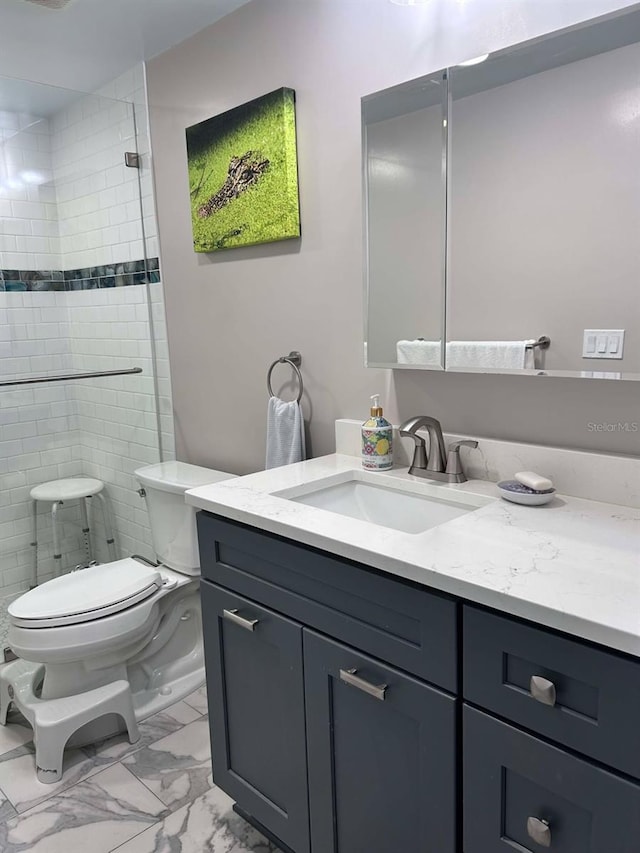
<point x="57" y="492"/>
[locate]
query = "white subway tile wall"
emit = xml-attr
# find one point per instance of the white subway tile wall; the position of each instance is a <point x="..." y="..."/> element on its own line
<point x="104" y="428"/>
<point x="38" y="432"/>
<point x="29" y="234"/>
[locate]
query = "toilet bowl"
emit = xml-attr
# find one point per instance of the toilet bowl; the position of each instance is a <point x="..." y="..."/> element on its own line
<point x="126" y="620"/>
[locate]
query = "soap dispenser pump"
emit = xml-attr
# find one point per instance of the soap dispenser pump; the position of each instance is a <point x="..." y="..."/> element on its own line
<point x="377" y="439"/>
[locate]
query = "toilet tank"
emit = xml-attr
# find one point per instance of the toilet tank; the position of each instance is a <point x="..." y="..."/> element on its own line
<point x="173" y="522"/>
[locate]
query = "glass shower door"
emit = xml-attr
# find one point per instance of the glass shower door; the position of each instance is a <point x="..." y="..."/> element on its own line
<point x="76" y="288"/>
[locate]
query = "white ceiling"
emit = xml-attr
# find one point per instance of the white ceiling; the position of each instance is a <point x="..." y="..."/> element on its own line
<point x="91" y="42"/>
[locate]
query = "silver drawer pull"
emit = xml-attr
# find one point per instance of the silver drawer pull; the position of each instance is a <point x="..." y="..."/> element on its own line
<point x="247" y="624"/>
<point x="349" y="676"/>
<point x="542" y="690"/>
<point x="539" y="831"/>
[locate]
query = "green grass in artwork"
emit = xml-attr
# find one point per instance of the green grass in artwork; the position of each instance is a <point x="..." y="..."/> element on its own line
<point x="243" y="175"/>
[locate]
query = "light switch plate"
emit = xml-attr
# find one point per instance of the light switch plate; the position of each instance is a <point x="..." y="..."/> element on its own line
<point x="603" y="343"/>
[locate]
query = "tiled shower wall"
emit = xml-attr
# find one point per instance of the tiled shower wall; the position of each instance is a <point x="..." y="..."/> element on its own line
<point x="98" y="196"/>
<point x="37" y="427"/>
<point x="104" y="428"/>
<point x="28" y="216"/>
<point x="116" y="416"/>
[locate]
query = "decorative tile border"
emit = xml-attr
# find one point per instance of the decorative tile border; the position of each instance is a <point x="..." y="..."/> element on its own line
<point x="88" y="278"/>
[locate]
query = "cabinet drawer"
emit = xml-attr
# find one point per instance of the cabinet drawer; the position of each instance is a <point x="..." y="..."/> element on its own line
<point x="584" y="698"/>
<point x="523" y="794"/>
<point x="404" y="625"/>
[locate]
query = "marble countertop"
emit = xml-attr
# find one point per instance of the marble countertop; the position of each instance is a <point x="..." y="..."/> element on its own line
<point x="573" y="565"/>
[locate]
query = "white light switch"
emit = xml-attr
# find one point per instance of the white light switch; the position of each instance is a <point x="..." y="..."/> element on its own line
<point x="602" y="343"/>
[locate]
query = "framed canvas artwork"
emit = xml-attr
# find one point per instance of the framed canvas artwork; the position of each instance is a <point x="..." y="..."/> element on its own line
<point x="243" y="175"/>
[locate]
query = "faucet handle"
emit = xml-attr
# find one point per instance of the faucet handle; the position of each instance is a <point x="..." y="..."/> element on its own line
<point x="454" y="463"/>
<point x="467" y="442"/>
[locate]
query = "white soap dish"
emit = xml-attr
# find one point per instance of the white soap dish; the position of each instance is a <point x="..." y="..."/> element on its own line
<point x="517" y="493"/>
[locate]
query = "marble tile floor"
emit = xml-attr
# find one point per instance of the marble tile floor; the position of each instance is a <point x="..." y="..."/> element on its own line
<point x="154" y="796"/>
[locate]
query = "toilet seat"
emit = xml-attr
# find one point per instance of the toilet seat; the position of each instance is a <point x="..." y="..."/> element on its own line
<point x="86" y="595"/>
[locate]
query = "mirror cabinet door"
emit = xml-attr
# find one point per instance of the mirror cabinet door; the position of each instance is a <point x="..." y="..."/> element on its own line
<point x="405" y="145"/>
<point x="544" y="218"/>
<point x="522" y="172"/>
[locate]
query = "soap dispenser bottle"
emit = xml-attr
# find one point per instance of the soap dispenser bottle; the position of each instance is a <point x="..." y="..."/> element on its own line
<point x="377" y="439"/>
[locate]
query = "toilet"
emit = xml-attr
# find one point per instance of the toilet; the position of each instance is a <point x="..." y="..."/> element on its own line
<point x="123" y="621"/>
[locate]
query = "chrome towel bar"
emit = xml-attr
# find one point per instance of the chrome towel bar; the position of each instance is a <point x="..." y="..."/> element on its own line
<point x="544" y="343"/>
<point x="6" y="383"/>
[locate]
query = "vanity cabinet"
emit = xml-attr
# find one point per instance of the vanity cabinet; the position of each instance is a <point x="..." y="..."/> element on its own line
<point x="353" y="711"/>
<point x="380" y="762"/>
<point x="379" y="742"/>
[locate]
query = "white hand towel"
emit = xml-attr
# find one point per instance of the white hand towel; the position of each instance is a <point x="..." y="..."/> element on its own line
<point x="496" y="355"/>
<point x="419" y="352"/>
<point x="285" y="433"/>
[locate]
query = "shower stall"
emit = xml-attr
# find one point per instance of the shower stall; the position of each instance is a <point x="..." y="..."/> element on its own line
<point x="84" y="380"/>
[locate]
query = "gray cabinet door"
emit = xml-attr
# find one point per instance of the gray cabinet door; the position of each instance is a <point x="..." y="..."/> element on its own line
<point x="256" y="706"/>
<point x="381" y="752"/>
<point x="523" y="794"/>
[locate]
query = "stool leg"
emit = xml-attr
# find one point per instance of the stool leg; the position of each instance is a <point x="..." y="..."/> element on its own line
<point x="57" y="554"/>
<point x="106" y="515"/>
<point x="86" y="530"/>
<point x="50" y="743"/>
<point x="129" y="717"/>
<point x="34" y="545"/>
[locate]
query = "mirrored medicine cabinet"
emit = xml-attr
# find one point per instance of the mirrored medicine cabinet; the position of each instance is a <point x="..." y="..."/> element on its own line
<point x="502" y="210"/>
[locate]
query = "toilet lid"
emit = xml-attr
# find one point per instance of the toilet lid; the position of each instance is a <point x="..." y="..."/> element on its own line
<point x="86" y="594"/>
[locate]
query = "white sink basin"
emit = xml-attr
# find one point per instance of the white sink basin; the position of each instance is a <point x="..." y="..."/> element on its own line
<point x="386" y="501"/>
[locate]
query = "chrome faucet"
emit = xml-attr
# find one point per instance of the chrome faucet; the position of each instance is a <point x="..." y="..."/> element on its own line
<point x="439" y="465"/>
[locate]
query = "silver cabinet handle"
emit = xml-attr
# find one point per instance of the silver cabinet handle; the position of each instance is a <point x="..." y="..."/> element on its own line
<point x="542" y="690"/>
<point x="539" y="831"/>
<point x="349" y="676"/>
<point x="247" y="624"/>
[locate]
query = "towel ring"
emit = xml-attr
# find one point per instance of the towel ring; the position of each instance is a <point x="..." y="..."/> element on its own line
<point x="295" y="360"/>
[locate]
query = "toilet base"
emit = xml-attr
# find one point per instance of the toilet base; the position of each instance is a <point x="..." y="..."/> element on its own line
<point x="146" y="703"/>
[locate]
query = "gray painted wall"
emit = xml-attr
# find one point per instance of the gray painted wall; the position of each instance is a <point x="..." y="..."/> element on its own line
<point x="230" y="314"/>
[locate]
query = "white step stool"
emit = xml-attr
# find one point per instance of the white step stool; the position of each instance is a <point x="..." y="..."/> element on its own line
<point x="56" y="492"/>
<point x="54" y="720"/>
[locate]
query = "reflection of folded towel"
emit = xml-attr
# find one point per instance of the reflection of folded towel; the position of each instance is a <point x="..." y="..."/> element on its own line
<point x="419" y="352"/>
<point x="496" y="355"/>
<point x="285" y="433"/>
